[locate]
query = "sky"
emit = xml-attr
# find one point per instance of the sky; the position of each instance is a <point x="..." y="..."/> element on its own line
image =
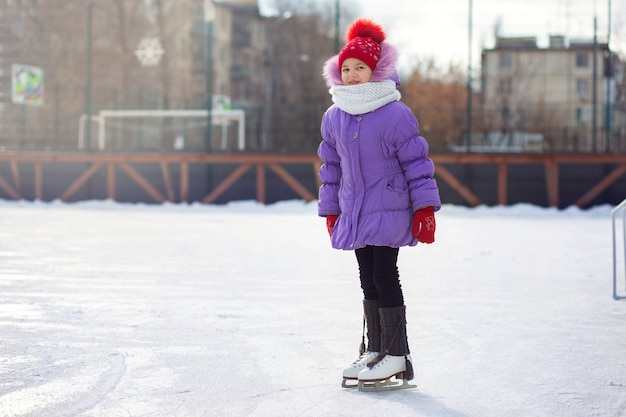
<point x="440" y="29"/>
<point x="115" y="310"/>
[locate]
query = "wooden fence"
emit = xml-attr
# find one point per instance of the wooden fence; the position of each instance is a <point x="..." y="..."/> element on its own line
<point x="95" y="161"/>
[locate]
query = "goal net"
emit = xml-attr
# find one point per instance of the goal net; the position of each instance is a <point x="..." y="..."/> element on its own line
<point x="163" y="130"/>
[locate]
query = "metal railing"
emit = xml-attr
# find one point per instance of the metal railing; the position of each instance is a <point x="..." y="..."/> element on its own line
<point x="620" y="207"/>
<point x="21" y="172"/>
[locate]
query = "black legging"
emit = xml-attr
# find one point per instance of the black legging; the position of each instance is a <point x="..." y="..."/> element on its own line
<point x="379" y="276"/>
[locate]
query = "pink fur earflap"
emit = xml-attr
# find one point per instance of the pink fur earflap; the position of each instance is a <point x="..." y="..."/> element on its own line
<point x="386" y="67"/>
<point x="331" y="71"/>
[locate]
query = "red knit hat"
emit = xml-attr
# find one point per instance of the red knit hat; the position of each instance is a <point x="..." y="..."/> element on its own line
<point x="364" y="37"/>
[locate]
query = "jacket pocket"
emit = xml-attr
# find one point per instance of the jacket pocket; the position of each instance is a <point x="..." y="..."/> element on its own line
<point x="396" y="194"/>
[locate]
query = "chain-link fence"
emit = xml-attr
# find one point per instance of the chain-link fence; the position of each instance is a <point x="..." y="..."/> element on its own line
<point x="121" y="55"/>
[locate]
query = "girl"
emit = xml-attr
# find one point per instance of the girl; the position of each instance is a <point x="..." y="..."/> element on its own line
<point x="377" y="194"/>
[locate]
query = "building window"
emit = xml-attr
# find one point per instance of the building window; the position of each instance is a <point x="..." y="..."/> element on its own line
<point x="506" y="60"/>
<point x="505" y="86"/>
<point x="582" y="88"/>
<point x="582" y="115"/>
<point x="505" y="114"/>
<point x="582" y="60"/>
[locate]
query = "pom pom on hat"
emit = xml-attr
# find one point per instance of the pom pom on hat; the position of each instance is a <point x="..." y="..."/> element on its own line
<point x="365" y="28"/>
<point x="363" y="38"/>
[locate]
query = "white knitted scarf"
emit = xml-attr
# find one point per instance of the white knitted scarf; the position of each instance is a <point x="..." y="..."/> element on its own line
<point x="364" y="98"/>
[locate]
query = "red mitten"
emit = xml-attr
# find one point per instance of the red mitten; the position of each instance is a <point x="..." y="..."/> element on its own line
<point x="424" y="225"/>
<point x="331" y="219"/>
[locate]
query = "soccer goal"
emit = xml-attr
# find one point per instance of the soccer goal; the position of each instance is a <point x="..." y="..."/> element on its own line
<point x="165" y="129"/>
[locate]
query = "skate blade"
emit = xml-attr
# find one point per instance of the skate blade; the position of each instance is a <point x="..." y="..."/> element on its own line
<point x="346" y="383"/>
<point x="384" y="385"/>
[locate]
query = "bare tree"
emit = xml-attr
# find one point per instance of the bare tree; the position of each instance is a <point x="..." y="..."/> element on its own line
<point x="437" y="98"/>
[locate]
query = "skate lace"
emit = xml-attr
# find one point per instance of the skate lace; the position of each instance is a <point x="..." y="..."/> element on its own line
<point x="365" y="357"/>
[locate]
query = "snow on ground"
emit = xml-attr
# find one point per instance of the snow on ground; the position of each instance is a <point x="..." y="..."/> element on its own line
<point x="111" y="309"/>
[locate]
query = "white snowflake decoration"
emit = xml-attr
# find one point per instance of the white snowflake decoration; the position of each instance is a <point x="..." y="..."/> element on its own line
<point x="149" y="52"/>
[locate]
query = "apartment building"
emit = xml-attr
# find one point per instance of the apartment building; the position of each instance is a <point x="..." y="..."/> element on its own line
<point x="567" y="96"/>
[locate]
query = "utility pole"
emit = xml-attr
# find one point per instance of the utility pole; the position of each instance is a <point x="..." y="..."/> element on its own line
<point x="209" y="17"/>
<point x="609" y="75"/>
<point x="88" y="86"/>
<point x="594" y="89"/>
<point x="468" y="134"/>
<point x="337" y="14"/>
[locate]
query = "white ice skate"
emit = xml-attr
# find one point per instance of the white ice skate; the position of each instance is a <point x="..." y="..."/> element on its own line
<point x="378" y="377"/>
<point x="351" y="373"/>
<point x="368" y="352"/>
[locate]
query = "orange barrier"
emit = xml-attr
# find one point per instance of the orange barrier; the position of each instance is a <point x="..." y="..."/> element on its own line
<point x="244" y="161"/>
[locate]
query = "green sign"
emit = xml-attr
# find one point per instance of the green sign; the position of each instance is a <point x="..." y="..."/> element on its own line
<point x="27" y="84"/>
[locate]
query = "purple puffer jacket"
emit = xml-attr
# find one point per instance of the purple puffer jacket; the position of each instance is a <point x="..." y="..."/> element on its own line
<point x="375" y="174"/>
